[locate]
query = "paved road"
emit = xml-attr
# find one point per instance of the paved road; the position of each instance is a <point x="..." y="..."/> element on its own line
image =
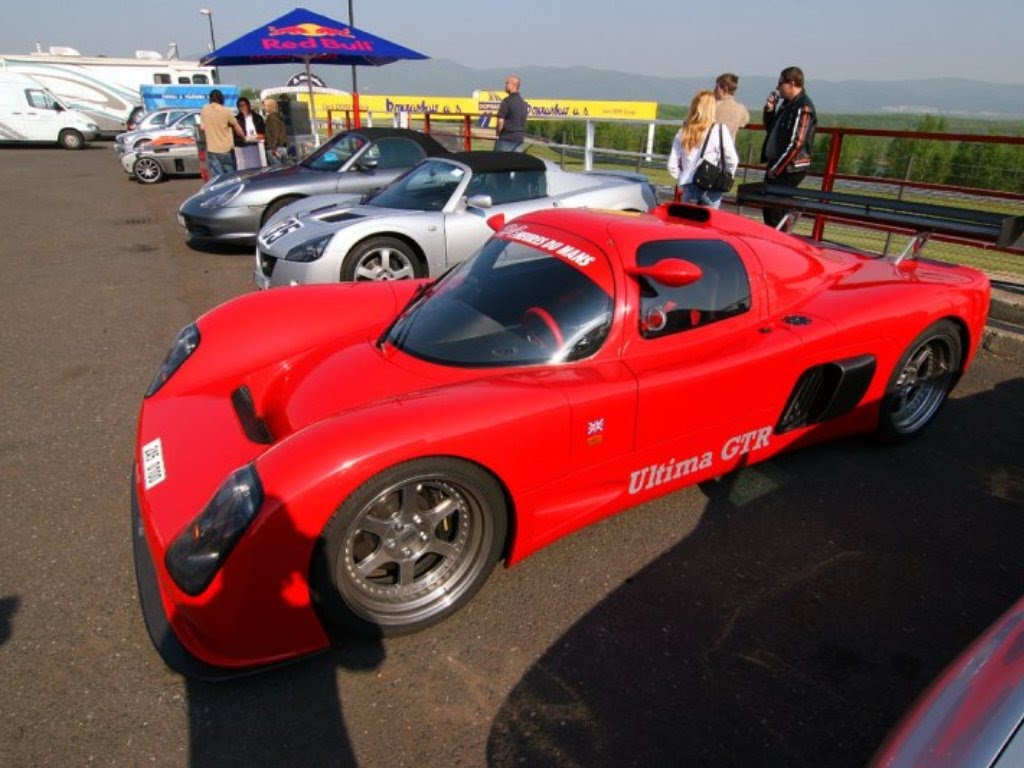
<point x="783" y="617"/>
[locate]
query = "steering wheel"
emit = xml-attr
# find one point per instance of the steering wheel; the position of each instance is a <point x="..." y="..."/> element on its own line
<point x="539" y="315"/>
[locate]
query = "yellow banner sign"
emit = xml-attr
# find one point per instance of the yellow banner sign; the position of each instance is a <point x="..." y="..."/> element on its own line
<point x="484" y="105"/>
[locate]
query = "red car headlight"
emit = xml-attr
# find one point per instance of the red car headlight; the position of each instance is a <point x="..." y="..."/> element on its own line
<point x="199" y="551"/>
<point x="184" y="345"/>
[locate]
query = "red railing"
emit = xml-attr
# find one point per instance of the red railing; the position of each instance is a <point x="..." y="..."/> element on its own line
<point x="829" y="175"/>
<point x="835" y="147"/>
<point x="465" y="131"/>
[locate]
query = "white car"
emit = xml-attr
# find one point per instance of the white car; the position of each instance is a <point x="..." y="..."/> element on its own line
<point x="434" y="216"/>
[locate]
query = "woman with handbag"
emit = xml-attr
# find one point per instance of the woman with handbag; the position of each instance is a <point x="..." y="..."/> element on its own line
<point x="703" y="160"/>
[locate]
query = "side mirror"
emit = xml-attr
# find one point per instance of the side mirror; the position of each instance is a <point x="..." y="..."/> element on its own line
<point x="672" y="272"/>
<point x="368" y="165"/>
<point x="479" y="201"/>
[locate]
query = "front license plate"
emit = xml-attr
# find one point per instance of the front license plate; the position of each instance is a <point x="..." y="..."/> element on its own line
<point x="153" y="471"/>
<point x="181" y="220"/>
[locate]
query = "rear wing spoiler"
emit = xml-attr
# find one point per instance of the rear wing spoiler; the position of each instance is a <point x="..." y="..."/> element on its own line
<point x="923" y="219"/>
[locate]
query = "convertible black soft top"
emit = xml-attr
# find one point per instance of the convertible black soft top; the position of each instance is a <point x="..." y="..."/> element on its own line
<point x="499" y="161"/>
<point x="428" y="143"/>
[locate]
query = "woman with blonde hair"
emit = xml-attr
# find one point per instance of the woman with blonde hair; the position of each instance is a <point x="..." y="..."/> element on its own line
<point x="699" y="139"/>
<point x="276" y="135"/>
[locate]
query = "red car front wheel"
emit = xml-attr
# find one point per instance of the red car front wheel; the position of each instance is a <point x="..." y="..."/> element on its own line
<point x="409" y="547"/>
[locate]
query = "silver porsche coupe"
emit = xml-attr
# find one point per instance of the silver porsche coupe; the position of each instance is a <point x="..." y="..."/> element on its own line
<point x="233" y="207"/>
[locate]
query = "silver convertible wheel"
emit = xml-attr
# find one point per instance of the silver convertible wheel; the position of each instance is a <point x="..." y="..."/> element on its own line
<point x="382" y="258"/>
<point x="409" y="547"/>
<point x="147" y="170"/>
<point x="921" y="382"/>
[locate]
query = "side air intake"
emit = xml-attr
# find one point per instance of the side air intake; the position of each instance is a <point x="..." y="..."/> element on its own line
<point x="827" y="391"/>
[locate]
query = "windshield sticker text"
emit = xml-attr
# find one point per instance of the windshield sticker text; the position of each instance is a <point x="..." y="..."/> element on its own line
<point x="521" y="234"/>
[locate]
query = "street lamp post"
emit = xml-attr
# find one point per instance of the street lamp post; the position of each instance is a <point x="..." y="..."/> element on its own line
<point x="208" y="13"/>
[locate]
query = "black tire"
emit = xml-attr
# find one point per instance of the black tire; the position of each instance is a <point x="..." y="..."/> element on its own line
<point x="70" y="139"/>
<point x="382" y="258"/>
<point x="920" y="382"/>
<point x="148" y="170"/>
<point x="276" y="206"/>
<point x="438" y="524"/>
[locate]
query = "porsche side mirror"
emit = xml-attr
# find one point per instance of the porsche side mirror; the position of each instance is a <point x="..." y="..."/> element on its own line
<point x="496" y="222"/>
<point x="479" y="201"/>
<point x="672" y="272"/>
<point x="367" y="165"/>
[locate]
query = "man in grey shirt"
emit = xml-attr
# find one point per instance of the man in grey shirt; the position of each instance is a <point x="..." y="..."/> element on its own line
<point x="511" y="129"/>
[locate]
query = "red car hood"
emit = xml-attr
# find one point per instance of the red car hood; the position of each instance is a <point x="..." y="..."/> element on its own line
<point x="348" y="378"/>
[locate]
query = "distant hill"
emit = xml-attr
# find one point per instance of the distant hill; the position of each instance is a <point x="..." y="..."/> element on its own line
<point x="441" y="77"/>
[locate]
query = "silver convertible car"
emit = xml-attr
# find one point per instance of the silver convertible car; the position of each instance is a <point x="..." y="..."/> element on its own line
<point x="167" y="156"/>
<point x="433" y="217"/>
<point x="233" y="207"/>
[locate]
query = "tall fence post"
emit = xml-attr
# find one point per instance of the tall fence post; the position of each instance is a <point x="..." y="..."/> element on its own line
<point x="828" y="179"/>
<point x="588" y="148"/>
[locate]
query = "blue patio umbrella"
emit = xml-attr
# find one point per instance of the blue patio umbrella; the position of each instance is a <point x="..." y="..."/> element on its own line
<point x="303" y="36"/>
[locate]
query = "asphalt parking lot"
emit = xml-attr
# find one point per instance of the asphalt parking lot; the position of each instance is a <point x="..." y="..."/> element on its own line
<point x="785" y="616"/>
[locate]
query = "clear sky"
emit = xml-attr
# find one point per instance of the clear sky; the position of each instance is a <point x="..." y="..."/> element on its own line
<point x="851" y="40"/>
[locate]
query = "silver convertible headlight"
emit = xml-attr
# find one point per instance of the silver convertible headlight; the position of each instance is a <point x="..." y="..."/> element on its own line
<point x="224" y="196"/>
<point x="311" y="250"/>
<point x="184" y="345"/>
<point x="194" y="558"/>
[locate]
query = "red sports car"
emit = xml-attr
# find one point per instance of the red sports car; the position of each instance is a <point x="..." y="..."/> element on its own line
<point x="362" y="464"/>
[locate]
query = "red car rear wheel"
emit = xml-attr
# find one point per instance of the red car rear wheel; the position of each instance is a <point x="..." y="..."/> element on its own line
<point x="921" y="382"/>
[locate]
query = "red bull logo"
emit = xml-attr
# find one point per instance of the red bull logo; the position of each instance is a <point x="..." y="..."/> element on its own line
<point x="317" y="37"/>
<point x="308" y="29"/>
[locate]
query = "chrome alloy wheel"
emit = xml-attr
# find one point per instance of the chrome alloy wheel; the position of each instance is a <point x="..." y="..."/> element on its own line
<point x="384" y="262"/>
<point x="922" y="384"/>
<point x="147" y="170"/>
<point x="413" y="550"/>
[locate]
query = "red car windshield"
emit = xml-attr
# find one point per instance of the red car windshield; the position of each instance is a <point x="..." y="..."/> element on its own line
<point x="525" y="298"/>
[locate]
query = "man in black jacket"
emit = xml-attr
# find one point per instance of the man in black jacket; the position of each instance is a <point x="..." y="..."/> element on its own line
<point x="789" y="122"/>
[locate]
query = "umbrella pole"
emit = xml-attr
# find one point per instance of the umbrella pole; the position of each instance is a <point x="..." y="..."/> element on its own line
<point x="312" y="107"/>
<point x="355" y="108"/>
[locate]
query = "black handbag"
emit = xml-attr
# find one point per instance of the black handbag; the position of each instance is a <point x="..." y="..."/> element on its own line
<point x="711" y="177"/>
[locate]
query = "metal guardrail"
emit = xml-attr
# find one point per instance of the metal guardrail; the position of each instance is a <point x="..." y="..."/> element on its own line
<point x="1002" y="262"/>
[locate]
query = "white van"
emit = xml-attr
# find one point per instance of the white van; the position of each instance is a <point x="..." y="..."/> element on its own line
<point x="29" y="112"/>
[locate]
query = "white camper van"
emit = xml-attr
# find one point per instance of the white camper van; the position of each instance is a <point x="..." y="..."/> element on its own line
<point x="29" y="112"/>
<point x="104" y="88"/>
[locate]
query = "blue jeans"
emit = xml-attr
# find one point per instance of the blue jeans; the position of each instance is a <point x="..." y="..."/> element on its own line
<point x="507" y="145"/>
<point x="709" y="198"/>
<point x="220" y="163"/>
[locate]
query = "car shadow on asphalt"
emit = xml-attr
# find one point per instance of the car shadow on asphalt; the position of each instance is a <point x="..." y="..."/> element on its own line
<point x="223" y="249"/>
<point x="292" y="715"/>
<point x="819" y="594"/>
<point x="288" y="715"/>
<point x="8" y="607"/>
